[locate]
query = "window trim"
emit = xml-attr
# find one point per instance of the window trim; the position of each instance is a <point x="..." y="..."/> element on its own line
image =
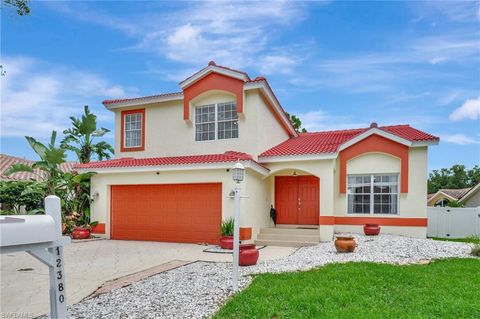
<point x="216" y="122"/>
<point x="372" y="194"/>
<point x="124" y="148"/>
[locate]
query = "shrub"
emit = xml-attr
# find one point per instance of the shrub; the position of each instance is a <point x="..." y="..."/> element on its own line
<point x="227" y="227"/>
<point x="476" y="250"/>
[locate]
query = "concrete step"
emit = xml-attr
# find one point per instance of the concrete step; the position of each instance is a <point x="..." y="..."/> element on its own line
<point x="290" y="231"/>
<point x="284" y="243"/>
<point x="288" y="237"/>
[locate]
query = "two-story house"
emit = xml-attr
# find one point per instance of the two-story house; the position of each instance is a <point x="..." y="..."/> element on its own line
<point x="170" y="179"/>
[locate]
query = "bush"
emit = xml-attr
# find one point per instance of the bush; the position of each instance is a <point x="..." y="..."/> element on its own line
<point x="15" y="194"/>
<point x="227" y="227"/>
<point x="476" y="250"/>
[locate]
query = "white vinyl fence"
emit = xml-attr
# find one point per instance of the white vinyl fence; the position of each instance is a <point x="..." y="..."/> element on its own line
<point x="447" y="222"/>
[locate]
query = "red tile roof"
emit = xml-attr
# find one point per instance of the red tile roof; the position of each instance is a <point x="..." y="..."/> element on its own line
<point x="149" y="97"/>
<point x="6" y="161"/>
<point x="229" y="156"/>
<point x="330" y="141"/>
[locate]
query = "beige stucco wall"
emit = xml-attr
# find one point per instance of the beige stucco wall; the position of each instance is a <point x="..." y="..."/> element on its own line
<point x="167" y="134"/>
<point x="473" y="201"/>
<point x="254" y="208"/>
<point x="260" y="190"/>
<point x="324" y="170"/>
<point x="101" y="183"/>
<point x="412" y="204"/>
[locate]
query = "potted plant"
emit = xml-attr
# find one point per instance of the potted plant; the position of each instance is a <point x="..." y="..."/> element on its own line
<point x="345" y="244"/>
<point x="248" y="255"/>
<point x="84" y="226"/>
<point x="226" y="230"/>
<point x="371" y="229"/>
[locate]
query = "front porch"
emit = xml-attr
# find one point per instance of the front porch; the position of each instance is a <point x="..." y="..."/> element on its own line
<point x="289" y="236"/>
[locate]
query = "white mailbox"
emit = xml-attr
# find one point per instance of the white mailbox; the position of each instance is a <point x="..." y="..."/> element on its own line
<point x="26" y="229"/>
<point x="41" y="237"/>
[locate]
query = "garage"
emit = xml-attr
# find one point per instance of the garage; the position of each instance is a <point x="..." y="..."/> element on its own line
<point x="189" y="213"/>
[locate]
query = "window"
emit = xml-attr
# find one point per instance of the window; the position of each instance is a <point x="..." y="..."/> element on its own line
<point x="216" y="121"/>
<point x="132" y="130"/>
<point x="373" y="194"/>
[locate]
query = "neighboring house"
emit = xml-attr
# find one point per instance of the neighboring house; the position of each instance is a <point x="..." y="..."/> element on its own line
<point x="170" y="180"/>
<point x="6" y="161"/>
<point x="469" y="197"/>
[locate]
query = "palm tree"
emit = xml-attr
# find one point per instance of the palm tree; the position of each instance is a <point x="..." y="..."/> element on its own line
<point x="47" y="168"/>
<point x="79" y="138"/>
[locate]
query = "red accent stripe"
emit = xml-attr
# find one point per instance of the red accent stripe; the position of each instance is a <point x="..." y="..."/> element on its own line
<point x="375" y="143"/>
<point x="327" y="220"/>
<point x="383" y="221"/>
<point x="99" y="228"/>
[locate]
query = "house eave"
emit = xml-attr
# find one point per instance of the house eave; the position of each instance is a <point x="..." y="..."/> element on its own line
<point x="296" y="158"/>
<point x="146" y="100"/>
<point x="176" y="167"/>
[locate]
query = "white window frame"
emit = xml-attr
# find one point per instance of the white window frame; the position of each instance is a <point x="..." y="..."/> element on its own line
<point x="125" y="130"/>
<point x="372" y="194"/>
<point x="216" y="122"/>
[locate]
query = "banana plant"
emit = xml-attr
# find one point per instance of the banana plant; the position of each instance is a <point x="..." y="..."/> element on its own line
<point x="47" y="168"/>
<point x="80" y="138"/>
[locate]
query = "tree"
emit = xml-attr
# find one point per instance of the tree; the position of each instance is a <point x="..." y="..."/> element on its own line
<point x="20" y="5"/>
<point x="455" y="177"/>
<point x="80" y="138"/>
<point x="47" y="168"/>
<point x="296" y="123"/>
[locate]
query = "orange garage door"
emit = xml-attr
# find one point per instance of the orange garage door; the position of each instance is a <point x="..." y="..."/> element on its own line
<point x="189" y="213"/>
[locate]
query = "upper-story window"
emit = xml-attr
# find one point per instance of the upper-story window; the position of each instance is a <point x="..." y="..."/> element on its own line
<point x="216" y="121"/>
<point x="373" y="194"/>
<point x="133" y="130"/>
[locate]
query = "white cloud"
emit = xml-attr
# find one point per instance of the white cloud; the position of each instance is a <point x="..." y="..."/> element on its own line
<point x="237" y="34"/>
<point x="319" y="120"/>
<point x="469" y="110"/>
<point x="38" y="97"/>
<point x="460" y="139"/>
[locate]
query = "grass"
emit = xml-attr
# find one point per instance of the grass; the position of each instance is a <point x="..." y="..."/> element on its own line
<point x="469" y="239"/>
<point x="446" y="288"/>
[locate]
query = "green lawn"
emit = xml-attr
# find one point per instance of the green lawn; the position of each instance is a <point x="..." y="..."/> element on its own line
<point x="470" y="239"/>
<point x="442" y="289"/>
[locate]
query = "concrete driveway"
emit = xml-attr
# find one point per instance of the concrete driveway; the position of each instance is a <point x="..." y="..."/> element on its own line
<point x="25" y="283"/>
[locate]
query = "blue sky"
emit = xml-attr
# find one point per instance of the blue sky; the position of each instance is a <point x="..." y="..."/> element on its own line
<point x="335" y="64"/>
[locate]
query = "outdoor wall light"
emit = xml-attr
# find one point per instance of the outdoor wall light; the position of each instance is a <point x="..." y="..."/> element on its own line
<point x="96" y="195"/>
<point x="238" y="172"/>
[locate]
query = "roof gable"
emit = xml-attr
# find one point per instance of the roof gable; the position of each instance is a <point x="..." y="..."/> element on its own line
<point x="331" y="142"/>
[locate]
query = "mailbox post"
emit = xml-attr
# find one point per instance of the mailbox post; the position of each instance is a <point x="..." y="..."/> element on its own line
<point x="41" y="237"/>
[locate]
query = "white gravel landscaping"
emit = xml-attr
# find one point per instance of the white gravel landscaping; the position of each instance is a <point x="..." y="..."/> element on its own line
<point x="198" y="290"/>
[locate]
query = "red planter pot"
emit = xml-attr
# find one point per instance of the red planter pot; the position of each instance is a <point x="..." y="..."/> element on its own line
<point x="345" y="244"/>
<point x="80" y="233"/>
<point x="248" y="255"/>
<point x="226" y="242"/>
<point x="371" y="229"/>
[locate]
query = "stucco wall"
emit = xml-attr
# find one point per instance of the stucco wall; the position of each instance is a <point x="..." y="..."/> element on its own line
<point x="167" y="134"/>
<point x="474" y="200"/>
<point x="101" y="182"/>
<point x="412" y="204"/>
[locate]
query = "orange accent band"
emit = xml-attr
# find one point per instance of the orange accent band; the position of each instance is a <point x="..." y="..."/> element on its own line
<point x="212" y="81"/>
<point x="383" y="221"/>
<point x="98" y="228"/>
<point x="245" y="233"/>
<point x="371" y="144"/>
<point x="326" y="220"/>
<point x="122" y="131"/>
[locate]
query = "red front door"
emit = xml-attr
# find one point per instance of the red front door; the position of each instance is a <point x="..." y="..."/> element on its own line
<point x="297" y="199"/>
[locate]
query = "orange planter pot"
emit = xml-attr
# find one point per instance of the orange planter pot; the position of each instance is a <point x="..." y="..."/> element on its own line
<point x="345" y="244"/>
